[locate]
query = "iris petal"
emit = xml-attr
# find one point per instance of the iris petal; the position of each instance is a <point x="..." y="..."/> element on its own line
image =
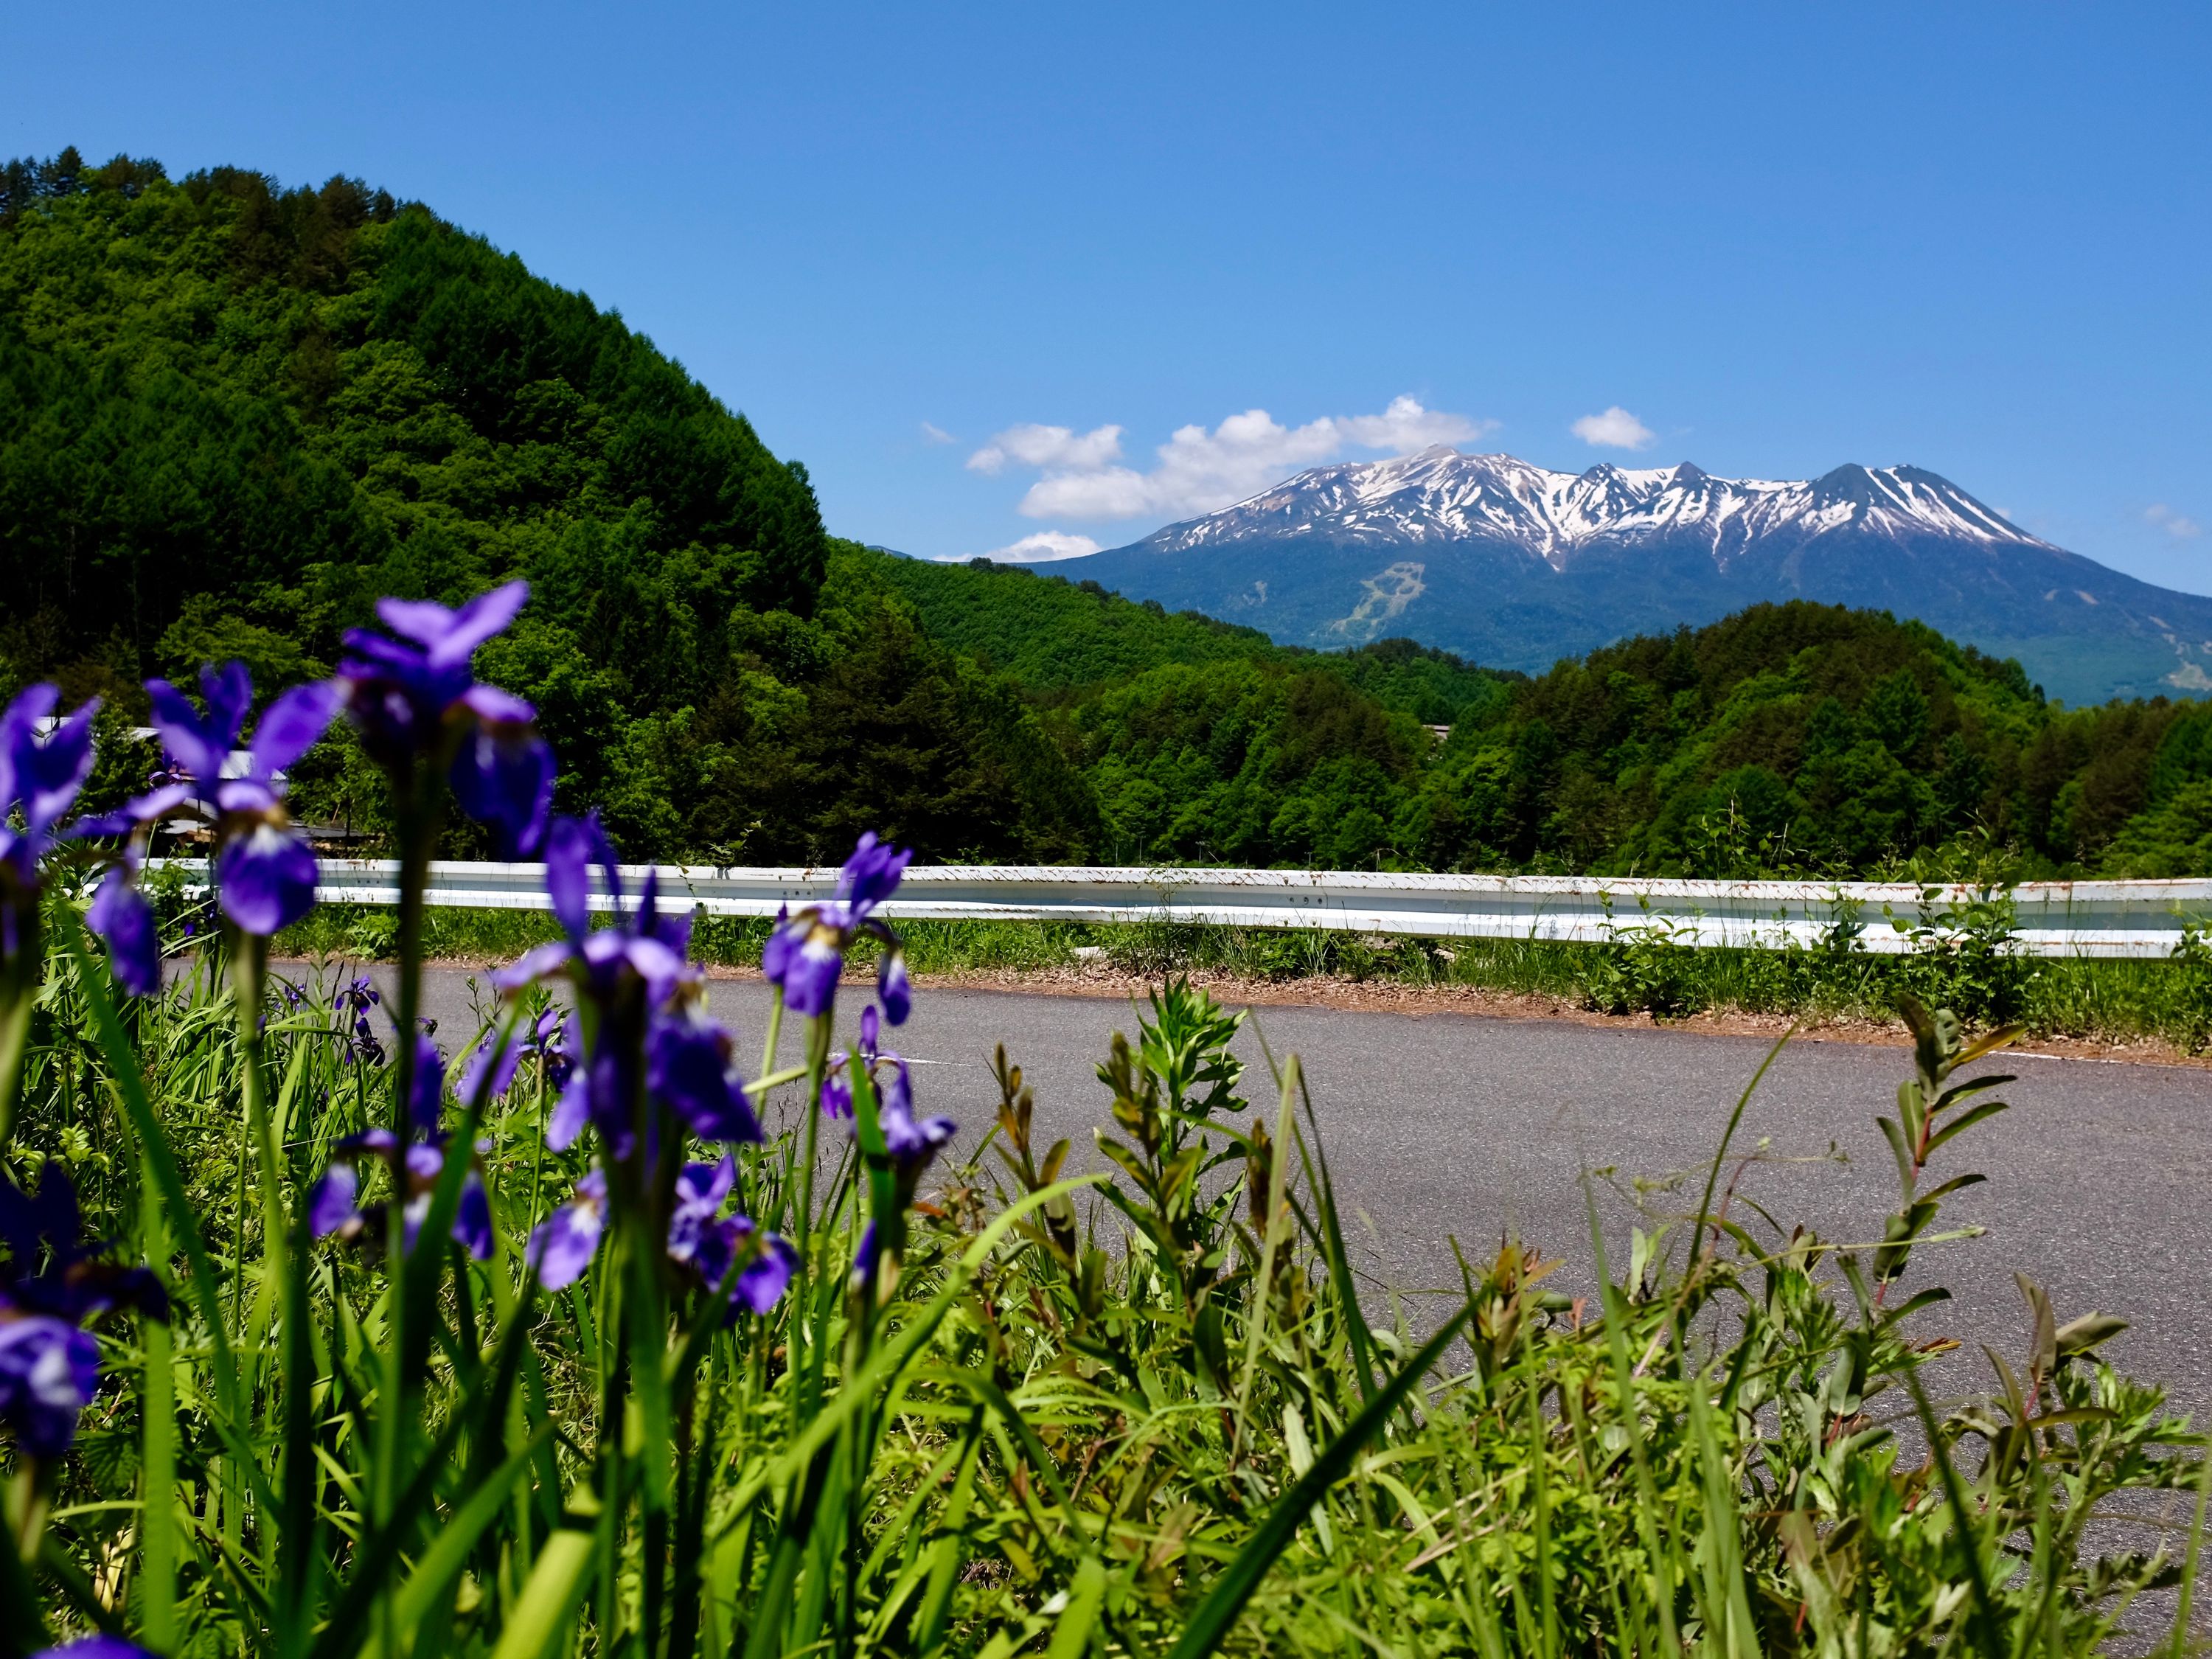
<point x="266" y="879"/>
<point x="121" y="915"/>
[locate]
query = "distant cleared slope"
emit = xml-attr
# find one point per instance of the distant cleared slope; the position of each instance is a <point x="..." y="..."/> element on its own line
<point x="1048" y="632"/>
<point x="1060" y="638"/>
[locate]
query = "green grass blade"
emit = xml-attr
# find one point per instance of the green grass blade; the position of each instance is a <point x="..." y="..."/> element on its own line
<point x="1658" y="1542"/>
<point x="1217" y="1614"/>
<point x="129" y="1084"/>
<point x="1720" y="1153"/>
<point x="457" y="1537"/>
<point x="558" y="1582"/>
<point x="1315" y="1160"/>
<point x="374" y="1558"/>
<point x="892" y="1358"/>
<point x="1078" y="1620"/>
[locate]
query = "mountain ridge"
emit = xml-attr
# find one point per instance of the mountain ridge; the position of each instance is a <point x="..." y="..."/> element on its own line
<point x="1519" y="566"/>
<point x="1551" y="512"/>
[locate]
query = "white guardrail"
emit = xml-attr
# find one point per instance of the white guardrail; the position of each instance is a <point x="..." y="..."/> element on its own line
<point x="2051" y="918"/>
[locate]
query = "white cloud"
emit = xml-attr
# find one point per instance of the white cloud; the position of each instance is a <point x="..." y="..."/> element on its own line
<point x="1198" y="471"/>
<point x="933" y="434"/>
<point x="1405" y="428"/>
<point x="1050" y="446"/>
<point x="2174" y="525"/>
<point x="1614" y="429"/>
<point x="1041" y="549"/>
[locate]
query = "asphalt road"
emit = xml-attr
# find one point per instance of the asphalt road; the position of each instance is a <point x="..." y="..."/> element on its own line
<point x="1445" y="1125"/>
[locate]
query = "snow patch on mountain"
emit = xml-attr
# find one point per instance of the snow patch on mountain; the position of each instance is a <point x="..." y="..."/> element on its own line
<point x="1440" y="496"/>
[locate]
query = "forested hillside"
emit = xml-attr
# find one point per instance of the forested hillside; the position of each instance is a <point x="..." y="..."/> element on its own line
<point x="1797" y="738"/>
<point x="232" y="415"/>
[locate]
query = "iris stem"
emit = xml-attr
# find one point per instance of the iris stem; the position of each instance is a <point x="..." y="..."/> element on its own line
<point x="157" y="1572"/>
<point x="15" y="1034"/>
<point x="774" y="1032"/>
<point x="417" y="789"/>
<point x="249" y="970"/>
<point x="817" y="1060"/>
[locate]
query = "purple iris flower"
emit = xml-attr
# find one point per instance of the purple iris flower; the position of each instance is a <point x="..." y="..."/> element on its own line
<point x="427" y="1102"/>
<point x="599" y="1091"/>
<point x="265" y="872"/>
<point x="503" y="775"/>
<point x="491" y="1067"/>
<point x="51" y="1269"/>
<point x="334" y="1207"/>
<point x="554" y="1044"/>
<point x="48" y="1371"/>
<point x="763" y="1280"/>
<point x="700" y="1239"/>
<point x="357" y="998"/>
<point x="629" y="972"/>
<point x="805" y="954"/>
<point x="913" y="1141"/>
<point x="335" y="1203"/>
<point x="51" y="1285"/>
<point x="100" y="1645"/>
<point x="893" y="986"/>
<point x="689" y="1068"/>
<point x="120" y="913"/>
<point x="911" y="1144"/>
<point x="42" y="780"/>
<point x="121" y="916"/>
<point x="712" y="1244"/>
<point x="265" y="879"/>
<point x="472" y="1213"/>
<point x="694" y="1235"/>
<point x="643" y="947"/>
<point x="836" y="1100"/>
<point x="414" y="696"/>
<point x="563" y="1244"/>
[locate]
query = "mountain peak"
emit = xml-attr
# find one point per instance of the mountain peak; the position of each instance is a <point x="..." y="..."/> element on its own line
<point x="1439" y="495"/>
<point x="1515" y="565"/>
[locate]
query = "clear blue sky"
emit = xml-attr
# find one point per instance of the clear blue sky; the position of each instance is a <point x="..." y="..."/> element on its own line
<point x="1778" y="238"/>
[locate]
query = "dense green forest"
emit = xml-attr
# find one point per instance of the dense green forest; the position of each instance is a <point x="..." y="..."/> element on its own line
<point x="232" y="415"/>
<point x="1798" y="739"/>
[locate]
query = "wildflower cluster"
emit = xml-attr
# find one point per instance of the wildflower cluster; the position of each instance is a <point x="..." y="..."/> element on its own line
<point x="645" y="1103"/>
<point x="646" y="1067"/>
<point x="415" y="1165"/>
<point x="353" y="1003"/>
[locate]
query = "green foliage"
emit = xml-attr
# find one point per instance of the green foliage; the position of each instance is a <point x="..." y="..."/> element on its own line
<point x="1794" y="739"/>
<point x="232" y="415"/>
<point x="1052" y="634"/>
<point x="1158" y="1420"/>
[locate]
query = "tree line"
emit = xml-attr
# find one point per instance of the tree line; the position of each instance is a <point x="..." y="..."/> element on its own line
<point x="232" y="412"/>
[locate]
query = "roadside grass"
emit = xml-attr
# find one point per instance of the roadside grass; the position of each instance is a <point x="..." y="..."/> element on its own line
<point x="2098" y="1000"/>
<point x="1143" y="1412"/>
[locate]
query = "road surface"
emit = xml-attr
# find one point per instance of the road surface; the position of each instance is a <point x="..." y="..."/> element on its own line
<point x="1439" y="1125"/>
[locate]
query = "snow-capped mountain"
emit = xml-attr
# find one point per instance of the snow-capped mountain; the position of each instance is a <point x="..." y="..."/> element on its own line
<point x="1516" y="566"/>
<point x="1440" y="496"/>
